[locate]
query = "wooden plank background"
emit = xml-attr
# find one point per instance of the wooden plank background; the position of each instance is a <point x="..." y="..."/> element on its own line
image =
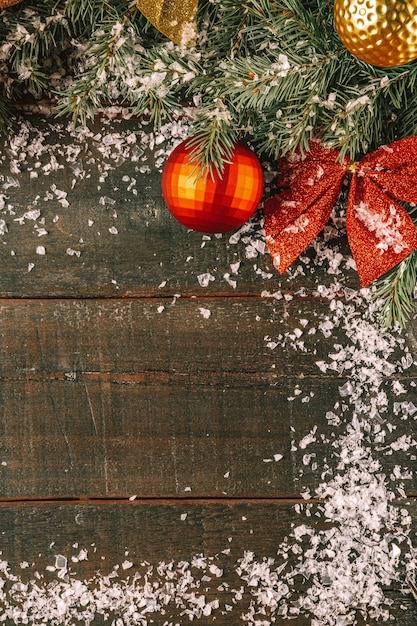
<point x="148" y="375"/>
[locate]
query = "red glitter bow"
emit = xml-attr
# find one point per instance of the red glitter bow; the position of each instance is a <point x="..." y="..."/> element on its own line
<point x="381" y="233"/>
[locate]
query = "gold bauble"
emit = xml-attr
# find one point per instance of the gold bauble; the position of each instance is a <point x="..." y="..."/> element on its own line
<point x="379" y="32"/>
<point x="174" y="18"/>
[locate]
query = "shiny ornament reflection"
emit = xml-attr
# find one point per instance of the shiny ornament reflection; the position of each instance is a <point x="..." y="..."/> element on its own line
<point x="380" y="32"/>
<point x="212" y="204"/>
<point x="174" y="18"/>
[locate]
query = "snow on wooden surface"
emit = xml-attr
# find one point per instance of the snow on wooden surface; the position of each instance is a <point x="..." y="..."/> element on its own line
<point x="184" y="433"/>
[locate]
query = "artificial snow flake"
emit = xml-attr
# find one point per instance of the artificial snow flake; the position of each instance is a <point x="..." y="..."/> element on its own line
<point x="205" y="279"/>
<point x="353" y="105"/>
<point x="72" y="252"/>
<point x="308" y="439"/>
<point x="230" y="281"/>
<point x="387" y="231"/>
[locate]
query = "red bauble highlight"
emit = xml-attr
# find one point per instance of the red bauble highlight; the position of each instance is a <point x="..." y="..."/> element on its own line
<point x="212" y="204"/>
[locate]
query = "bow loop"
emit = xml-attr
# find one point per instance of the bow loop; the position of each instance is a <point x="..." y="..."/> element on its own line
<point x="381" y="233"/>
<point x="294" y="217"/>
<point x="394" y="168"/>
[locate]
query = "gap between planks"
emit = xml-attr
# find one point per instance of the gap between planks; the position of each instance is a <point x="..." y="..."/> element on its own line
<point x="175" y="500"/>
<point x="164" y="377"/>
<point x="160" y="295"/>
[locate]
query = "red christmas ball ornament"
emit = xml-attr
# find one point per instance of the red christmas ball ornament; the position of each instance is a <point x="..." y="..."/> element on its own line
<point x="212" y="204"/>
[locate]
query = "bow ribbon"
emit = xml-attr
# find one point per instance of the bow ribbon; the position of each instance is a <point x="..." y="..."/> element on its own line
<point x="380" y="231"/>
<point x="4" y="4"/>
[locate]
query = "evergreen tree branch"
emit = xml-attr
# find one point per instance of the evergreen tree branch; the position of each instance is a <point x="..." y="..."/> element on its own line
<point x="396" y="292"/>
<point x="106" y="52"/>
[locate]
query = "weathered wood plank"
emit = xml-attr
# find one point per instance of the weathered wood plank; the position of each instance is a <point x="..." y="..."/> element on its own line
<point x="204" y="438"/>
<point x="127" y="400"/>
<point x="104" y="438"/>
<point x="135" y="338"/>
<point x="125" y="539"/>
<point x="85" y="197"/>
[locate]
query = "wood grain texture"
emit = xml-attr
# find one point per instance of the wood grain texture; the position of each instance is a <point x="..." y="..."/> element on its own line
<point x="76" y="438"/>
<point x="132" y="336"/>
<point x="142" y="533"/>
<point x="116" y="399"/>
<point x="230" y="336"/>
<point x="112" y="439"/>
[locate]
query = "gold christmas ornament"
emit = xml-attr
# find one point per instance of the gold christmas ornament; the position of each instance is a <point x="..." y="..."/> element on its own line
<point x="173" y="18"/>
<point x="8" y="3"/>
<point x="380" y="32"/>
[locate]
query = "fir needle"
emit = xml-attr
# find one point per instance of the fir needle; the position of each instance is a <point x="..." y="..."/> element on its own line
<point x="413" y="587"/>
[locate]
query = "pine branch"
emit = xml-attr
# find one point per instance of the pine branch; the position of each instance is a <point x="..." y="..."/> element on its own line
<point x="212" y="145"/>
<point x="106" y="49"/>
<point x="396" y="292"/>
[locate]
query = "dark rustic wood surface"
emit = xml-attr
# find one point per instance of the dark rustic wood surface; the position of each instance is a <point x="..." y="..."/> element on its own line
<point x="154" y="533"/>
<point x="141" y="409"/>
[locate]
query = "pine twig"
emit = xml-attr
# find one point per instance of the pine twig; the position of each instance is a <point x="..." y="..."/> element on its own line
<point x="396" y="292"/>
<point x="211" y="148"/>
